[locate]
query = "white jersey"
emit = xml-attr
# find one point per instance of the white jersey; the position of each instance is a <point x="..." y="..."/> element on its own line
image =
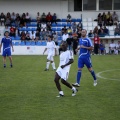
<point x="64" y="58"/>
<point x="51" y="47"/>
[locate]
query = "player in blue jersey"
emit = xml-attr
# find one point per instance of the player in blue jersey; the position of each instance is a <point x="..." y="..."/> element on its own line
<point x="7" y="44"/>
<point x="85" y="46"/>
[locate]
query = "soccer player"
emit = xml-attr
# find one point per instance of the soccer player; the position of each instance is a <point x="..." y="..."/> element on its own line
<point x="51" y="48"/>
<point x="85" y="46"/>
<point x="7" y="44"/>
<point x="66" y="59"/>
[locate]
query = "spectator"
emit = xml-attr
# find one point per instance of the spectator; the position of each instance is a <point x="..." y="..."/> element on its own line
<point x="117" y="31"/>
<point x="32" y="35"/>
<point x="12" y="31"/>
<point x="8" y="21"/>
<point x="28" y="19"/>
<point x="114" y="16"/>
<point x="69" y="18"/>
<point x="49" y="26"/>
<point x="102" y="48"/>
<point x="95" y="31"/>
<point x="23" y="36"/>
<point x="8" y="16"/>
<point x="108" y="16"/>
<point x="23" y="20"/>
<point x="106" y="47"/>
<point x="90" y="34"/>
<point x="27" y="38"/>
<point x="37" y="35"/>
<point x="100" y="19"/>
<point x="55" y="38"/>
<point x="38" y="18"/>
<point x="110" y="21"/>
<point x="43" y="18"/>
<point x="6" y="29"/>
<point x="102" y="34"/>
<point x="69" y="31"/>
<point x="18" y="16"/>
<point x="43" y="35"/>
<point x="63" y="30"/>
<point x="79" y="25"/>
<point x="17" y="23"/>
<point x="43" y="26"/>
<point x="79" y="34"/>
<point x="74" y="26"/>
<point x="100" y="30"/>
<point x="54" y="18"/>
<point x="2" y="19"/>
<point x="69" y="42"/>
<point x="104" y="19"/>
<point x="106" y="31"/>
<point x="13" y="17"/>
<point x="75" y="44"/>
<point x="38" y="25"/>
<point x="96" y="43"/>
<point x="117" y="48"/>
<point x="115" y="22"/>
<point x="112" y="47"/>
<point x="49" y="17"/>
<point x="65" y="36"/>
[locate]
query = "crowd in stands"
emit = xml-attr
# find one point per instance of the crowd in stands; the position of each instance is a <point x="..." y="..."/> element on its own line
<point x="14" y="22"/>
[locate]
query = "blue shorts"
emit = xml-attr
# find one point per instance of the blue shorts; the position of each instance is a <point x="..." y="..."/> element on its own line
<point x="6" y="52"/>
<point x="84" y="61"/>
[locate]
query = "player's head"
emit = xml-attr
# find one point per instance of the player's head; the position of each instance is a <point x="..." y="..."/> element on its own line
<point x="49" y="38"/>
<point x="6" y="34"/>
<point x="64" y="46"/>
<point x="83" y="33"/>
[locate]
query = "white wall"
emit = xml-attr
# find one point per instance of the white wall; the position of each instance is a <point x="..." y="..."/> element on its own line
<point x="33" y="6"/>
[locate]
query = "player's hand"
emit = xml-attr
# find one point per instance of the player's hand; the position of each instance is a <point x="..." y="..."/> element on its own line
<point x="76" y="50"/>
<point x="62" y="66"/>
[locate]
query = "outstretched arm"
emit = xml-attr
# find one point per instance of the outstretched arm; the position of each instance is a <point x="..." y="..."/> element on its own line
<point x="12" y="47"/>
<point x="44" y="51"/>
<point x="70" y="62"/>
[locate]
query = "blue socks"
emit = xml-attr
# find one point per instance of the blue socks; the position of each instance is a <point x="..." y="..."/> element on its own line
<point x="93" y="74"/>
<point x="79" y="76"/>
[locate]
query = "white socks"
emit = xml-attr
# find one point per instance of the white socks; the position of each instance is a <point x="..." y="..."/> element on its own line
<point x="61" y="93"/>
<point x="47" y="65"/>
<point x="73" y="88"/>
<point x="53" y="65"/>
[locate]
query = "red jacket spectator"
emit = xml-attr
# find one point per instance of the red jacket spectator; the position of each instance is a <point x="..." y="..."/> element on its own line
<point x="49" y="17"/>
<point x="96" y="40"/>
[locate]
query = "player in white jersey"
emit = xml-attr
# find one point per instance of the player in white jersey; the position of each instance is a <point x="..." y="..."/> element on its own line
<point x="51" y="49"/>
<point x="66" y="59"/>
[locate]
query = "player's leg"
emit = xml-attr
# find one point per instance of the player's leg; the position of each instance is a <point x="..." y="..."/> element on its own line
<point x="10" y="58"/>
<point x="4" y="61"/>
<point x="56" y="79"/>
<point x="88" y="63"/>
<point x="53" y="63"/>
<point x="79" y="72"/>
<point x="64" y="77"/>
<point x="47" y="63"/>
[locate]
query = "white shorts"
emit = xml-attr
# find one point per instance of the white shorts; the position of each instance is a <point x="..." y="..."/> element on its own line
<point x="62" y="73"/>
<point x="50" y="57"/>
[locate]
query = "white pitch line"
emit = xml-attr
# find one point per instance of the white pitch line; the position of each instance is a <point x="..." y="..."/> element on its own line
<point x="99" y="74"/>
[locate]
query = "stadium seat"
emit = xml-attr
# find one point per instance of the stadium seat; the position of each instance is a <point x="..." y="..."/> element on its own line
<point x="44" y="43"/>
<point x="111" y="32"/>
<point x="33" y="43"/>
<point x="74" y="20"/>
<point x="33" y="25"/>
<point x="89" y="19"/>
<point x="78" y="20"/>
<point x="13" y="38"/>
<point x="28" y="29"/>
<point x="33" y="29"/>
<point x="16" y="43"/>
<point x="33" y="20"/>
<point x="84" y="20"/>
<point x="68" y="25"/>
<point x="95" y="24"/>
<point x="54" y="25"/>
<point x="53" y="29"/>
<point x="110" y="28"/>
<point x="17" y="38"/>
<point x="28" y="43"/>
<point x="85" y="24"/>
<point x="64" y="20"/>
<point x="38" y="43"/>
<point x="22" y="43"/>
<point x="59" y="38"/>
<point x="89" y="28"/>
<point x="58" y="29"/>
<point x="64" y="24"/>
<point x="59" y="25"/>
<point x="13" y="43"/>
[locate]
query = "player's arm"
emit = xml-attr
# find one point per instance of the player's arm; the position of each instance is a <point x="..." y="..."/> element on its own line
<point x="44" y="51"/>
<point x="89" y="48"/>
<point x="12" y="47"/>
<point x="0" y="46"/>
<point x="70" y="62"/>
<point x="55" y="51"/>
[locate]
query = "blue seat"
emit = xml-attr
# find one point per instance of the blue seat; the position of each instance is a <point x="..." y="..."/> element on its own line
<point x="59" y="25"/>
<point x="78" y="20"/>
<point x="38" y="44"/>
<point x="59" y="38"/>
<point x="16" y="43"/>
<point x="13" y="43"/>
<point x="28" y="43"/>
<point x="12" y="38"/>
<point x="64" y="20"/>
<point x="64" y="24"/>
<point x="32" y="43"/>
<point x="17" y="38"/>
<point x="68" y="25"/>
<point x="53" y="29"/>
<point x="22" y="43"/>
<point x="43" y="43"/>
<point x="58" y="29"/>
<point x="34" y="25"/>
<point x="28" y="29"/>
<point x="33" y="20"/>
<point x="54" y="25"/>
<point x="73" y="20"/>
<point x="33" y="29"/>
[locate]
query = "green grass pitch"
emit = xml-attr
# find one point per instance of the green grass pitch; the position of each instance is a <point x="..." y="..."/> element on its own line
<point x="27" y="92"/>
